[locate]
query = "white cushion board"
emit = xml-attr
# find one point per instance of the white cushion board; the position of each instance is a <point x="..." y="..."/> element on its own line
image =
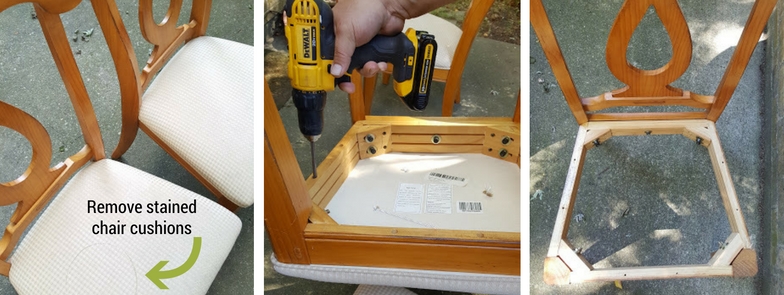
<point x="61" y="255"/>
<point x="201" y="106"/>
<point x="375" y="182"/>
<point x="398" y="277"/>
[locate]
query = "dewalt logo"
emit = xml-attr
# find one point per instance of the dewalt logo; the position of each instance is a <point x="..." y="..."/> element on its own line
<point x="306" y="43"/>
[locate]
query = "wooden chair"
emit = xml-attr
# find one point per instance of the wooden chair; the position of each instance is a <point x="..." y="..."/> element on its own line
<point x="62" y="253"/>
<point x="649" y="88"/>
<point x="309" y="243"/>
<point x="454" y="45"/>
<point x="199" y="107"/>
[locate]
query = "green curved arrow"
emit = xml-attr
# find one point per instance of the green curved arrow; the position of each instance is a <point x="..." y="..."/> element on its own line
<point x="156" y="274"/>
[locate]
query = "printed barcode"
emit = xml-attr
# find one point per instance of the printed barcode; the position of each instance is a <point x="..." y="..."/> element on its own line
<point x="449" y="177"/>
<point x="469" y="206"/>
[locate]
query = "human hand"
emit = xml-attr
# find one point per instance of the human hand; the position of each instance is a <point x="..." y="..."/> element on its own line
<point x="356" y="22"/>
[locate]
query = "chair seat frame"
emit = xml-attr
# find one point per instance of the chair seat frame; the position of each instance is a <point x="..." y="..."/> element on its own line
<point x="649" y="88"/>
<point x="302" y="232"/>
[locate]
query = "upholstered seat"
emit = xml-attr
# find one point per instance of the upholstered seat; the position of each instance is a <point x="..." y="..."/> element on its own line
<point x="61" y="255"/>
<point x="398" y="277"/>
<point x="201" y="106"/>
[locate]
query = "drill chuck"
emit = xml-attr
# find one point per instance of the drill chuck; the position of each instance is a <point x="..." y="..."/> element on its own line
<point x="310" y="112"/>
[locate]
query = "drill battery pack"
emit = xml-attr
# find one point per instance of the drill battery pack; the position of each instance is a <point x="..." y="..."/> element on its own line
<point x="423" y="72"/>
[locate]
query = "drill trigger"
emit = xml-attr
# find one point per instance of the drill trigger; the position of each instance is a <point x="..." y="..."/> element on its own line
<point x="344" y="78"/>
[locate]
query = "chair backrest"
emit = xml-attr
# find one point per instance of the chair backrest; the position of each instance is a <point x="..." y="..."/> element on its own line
<point x="39" y="182"/>
<point x="473" y="20"/>
<point x="650" y="87"/>
<point x="166" y="37"/>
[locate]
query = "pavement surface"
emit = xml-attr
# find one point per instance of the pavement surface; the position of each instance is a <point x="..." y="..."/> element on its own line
<point x="645" y="201"/>
<point x="29" y="80"/>
<point x="490" y="85"/>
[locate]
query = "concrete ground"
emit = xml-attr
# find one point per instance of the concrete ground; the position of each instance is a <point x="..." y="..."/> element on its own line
<point x="665" y="184"/>
<point x="492" y="66"/>
<point x="30" y="81"/>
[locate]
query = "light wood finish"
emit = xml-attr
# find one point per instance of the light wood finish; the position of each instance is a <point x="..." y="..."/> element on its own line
<point x="287" y="205"/>
<point x="720" y="264"/>
<point x="452" y="77"/>
<point x="127" y="69"/>
<point x="502" y="142"/>
<point x="413" y="248"/>
<point x="38" y="184"/>
<point x="373" y="140"/>
<point x="455" y="250"/>
<point x="320" y="216"/>
<point x="166" y="38"/>
<point x="544" y="31"/>
<point x="516" y="116"/>
<point x="357" y="102"/>
<point x="650" y="87"/>
<point x="651" y="273"/>
<point x="756" y="22"/>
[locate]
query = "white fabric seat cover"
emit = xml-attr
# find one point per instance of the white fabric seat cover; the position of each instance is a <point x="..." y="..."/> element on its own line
<point x="446" y="33"/>
<point x="398" y="277"/>
<point x="201" y="106"/>
<point x="61" y="255"/>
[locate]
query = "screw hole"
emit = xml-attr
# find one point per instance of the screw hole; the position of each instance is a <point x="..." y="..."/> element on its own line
<point x="492" y="134"/>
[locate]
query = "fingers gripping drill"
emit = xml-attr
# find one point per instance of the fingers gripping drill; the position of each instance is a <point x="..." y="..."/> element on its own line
<point x="311" y="41"/>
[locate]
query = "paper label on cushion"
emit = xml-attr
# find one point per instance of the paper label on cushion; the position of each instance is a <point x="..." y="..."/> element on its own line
<point x="409" y="198"/>
<point x="445" y="178"/>
<point x="439" y="198"/>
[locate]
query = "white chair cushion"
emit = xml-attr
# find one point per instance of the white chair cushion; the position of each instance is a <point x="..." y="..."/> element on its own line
<point x="397" y="277"/>
<point x="61" y="255"/>
<point x="446" y="33"/>
<point x="201" y="106"/>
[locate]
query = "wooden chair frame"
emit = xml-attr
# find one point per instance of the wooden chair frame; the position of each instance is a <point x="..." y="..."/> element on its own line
<point x="39" y="183"/>
<point x="474" y="16"/>
<point x="650" y="88"/>
<point x="302" y="232"/>
<point x="166" y="37"/>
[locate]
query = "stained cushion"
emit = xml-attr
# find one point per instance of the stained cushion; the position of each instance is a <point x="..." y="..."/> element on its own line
<point x="201" y="106"/>
<point x="62" y="255"/>
<point x="446" y="33"/>
<point x="397" y="277"/>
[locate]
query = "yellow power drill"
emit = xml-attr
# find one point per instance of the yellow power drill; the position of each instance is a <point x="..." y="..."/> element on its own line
<point x="311" y="41"/>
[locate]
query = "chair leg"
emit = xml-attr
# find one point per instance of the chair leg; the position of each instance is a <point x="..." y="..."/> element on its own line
<point x="369" y="88"/>
<point x="457" y="97"/>
<point x="451" y="90"/>
<point x="385" y="78"/>
<point x="355" y="100"/>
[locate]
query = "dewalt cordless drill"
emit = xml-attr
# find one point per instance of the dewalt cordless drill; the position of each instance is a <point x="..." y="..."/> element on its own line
<point x="311" y="41"/>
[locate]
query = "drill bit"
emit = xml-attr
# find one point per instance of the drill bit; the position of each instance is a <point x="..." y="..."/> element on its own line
<point x="313" y="157"/>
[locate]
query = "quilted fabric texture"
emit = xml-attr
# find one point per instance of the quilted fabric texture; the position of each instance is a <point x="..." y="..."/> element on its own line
<point x="201" y="106"/>
<point x="446" y="33"/>
<point x="396" y="277"/>
<point x="61" y="255"/>
<point x="381" y="290"/>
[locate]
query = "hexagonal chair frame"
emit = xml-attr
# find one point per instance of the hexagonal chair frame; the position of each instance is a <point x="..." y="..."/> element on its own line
<point x="649" y="88"/>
